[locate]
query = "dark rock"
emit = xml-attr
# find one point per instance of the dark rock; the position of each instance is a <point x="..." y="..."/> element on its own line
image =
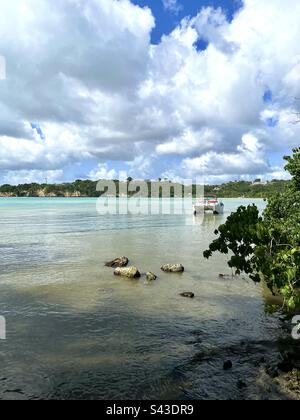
<point x="190" y="295"/>
<point x="241" y="384"/>
<point x="223" y="276"/>
<point x="173" y="268"/>
<point x="227" y="365"/>
<point x="118" y="262"/>
<point x="130" y="272"/>
<point x="272" y="372"/>
<point x="285" y="366"/>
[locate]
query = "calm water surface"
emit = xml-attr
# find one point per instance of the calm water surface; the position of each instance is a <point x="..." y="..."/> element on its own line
<point x="76" y="331"/>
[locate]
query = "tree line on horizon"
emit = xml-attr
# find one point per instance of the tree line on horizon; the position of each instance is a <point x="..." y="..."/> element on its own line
<point x="88" y="188"/>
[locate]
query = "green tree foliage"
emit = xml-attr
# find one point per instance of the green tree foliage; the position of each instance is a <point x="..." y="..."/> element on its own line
<point x="267" y="247"/>
<point x="293" y="167"/>
<point x="246" y="189"/>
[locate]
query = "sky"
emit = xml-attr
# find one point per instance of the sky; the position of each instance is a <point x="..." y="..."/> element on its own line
<point x="183" y="89"/>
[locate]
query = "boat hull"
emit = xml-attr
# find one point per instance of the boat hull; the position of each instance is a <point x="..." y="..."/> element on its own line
<point x="214" y="208"/>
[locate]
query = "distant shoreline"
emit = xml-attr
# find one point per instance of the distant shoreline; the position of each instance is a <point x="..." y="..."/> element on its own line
<point x="82" y="197"/>
<point x="88" y="189"/>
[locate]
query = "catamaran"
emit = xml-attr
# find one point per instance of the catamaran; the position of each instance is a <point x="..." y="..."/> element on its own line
<point x="208" y="203"/>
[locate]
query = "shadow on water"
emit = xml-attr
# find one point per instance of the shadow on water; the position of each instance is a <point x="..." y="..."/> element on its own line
<point x="52" y="353"/>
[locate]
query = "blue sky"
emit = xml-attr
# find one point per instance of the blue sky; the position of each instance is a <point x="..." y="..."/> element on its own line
<point x="176" y="88"/>
<point x="167" y="20"/>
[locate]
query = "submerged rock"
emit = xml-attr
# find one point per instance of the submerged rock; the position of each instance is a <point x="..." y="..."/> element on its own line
<point x="151" y="276"/>
<point x="285" y="366"/>
<point x="190" y="295"/>
<point x="173" y="268"/>
<point x="227" y="365"/>
<point x="118" y="262"/>
<point x="272" y="372"/>
<point x="130" y="272"/>
<point x="241" y="384"/>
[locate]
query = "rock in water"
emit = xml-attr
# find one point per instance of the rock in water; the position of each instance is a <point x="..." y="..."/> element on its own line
<point x="151" y="276"/>
<point x="118" y="262"/>
<point x="173" y="268"/>
<point x="227" y="365"/>
<point x="223" y="276"/>
<point x="190" y="295"/>
<point x="130" y="272"/>
<point x="241" y="384"/>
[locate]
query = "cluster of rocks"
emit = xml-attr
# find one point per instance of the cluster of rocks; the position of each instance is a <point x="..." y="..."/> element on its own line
<point x="121" y="269"/>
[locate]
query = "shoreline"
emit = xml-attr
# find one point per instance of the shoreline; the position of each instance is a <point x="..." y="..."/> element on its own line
<point x="82" y="196"/>
<point x="89" y="189"/>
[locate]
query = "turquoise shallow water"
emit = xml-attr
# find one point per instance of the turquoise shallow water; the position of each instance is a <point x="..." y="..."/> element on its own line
<point x="76" y="331"/>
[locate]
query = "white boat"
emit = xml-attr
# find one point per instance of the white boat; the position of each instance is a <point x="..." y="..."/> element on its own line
<point x="208" y="203"/>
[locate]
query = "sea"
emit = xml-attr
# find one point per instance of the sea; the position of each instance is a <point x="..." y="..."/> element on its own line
<point x="75" y="331"/>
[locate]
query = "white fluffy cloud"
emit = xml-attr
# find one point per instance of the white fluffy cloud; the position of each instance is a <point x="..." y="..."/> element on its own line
<point x="247" y="159"/>
<point x="31" y="176"/>
<point x="102" y="172"/>
<point x="86" y="72"/>
<point x="191" y="141"/>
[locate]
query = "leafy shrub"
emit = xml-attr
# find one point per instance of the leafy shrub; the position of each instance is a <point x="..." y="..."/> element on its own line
<point x="267" y="247"/>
